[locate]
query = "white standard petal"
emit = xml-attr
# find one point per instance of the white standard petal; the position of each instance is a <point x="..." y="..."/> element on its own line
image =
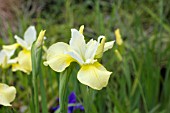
<point x="30" y="35"/>
<point x="92" y="47"/>
<point x="21" y="42"/>
<point x="2" y="56"/>
<point x="108" y="45"/>
<point x="76" y="56"/>
<point x="77" y="42"/>
<point x="9" y="53"/>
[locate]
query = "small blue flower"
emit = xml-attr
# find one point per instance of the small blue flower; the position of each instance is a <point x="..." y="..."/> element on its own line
<point x="72" y="104"/>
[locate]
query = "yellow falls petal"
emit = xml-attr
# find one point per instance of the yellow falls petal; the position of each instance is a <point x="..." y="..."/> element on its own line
<point x="24" y="62"/>
<point x="7" y="94"/>
<point x="18" y="67"/>
<point x="57" y="49"/>
<point x="59" y="62"/>
<point x="94" y="76"/>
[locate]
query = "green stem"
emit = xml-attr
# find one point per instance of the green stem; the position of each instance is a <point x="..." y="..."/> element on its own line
<point x="87" y="98"/>
<point x="3" y="75"/>
<point x="36" y="56"/>
<point x="64" y="78"/>
<point x="43" y="94"/>
<point x="35" y="93"/>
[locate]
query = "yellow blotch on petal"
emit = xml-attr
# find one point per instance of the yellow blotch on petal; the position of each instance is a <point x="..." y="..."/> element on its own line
<point x="24" y="62"/>
<point x="94" y="75"/>
<point x="7" y="94"/>
<point x="119" y="40"/>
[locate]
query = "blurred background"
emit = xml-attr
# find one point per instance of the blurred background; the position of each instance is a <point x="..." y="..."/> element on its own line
<point x="140" y="82"/>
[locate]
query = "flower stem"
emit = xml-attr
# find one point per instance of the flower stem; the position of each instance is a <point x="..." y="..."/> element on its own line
<point x="64" y="78"/>
<point x="36" y="56"/>
<point x="3" y="75"/>
<point x="87" y="98"/>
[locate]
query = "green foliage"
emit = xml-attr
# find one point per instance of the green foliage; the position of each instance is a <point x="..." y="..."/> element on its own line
<point x="139" y="83"/>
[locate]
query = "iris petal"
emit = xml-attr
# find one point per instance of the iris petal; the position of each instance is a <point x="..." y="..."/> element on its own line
<point x="21" y="42"/>
<point x="108" y="45"/>
<point x="60" y="62"/>
<point x="92" y="46"/>
<point x="24" y="62"/>
<point x="57" y="57"/>
<point x="76" y="56"/>
<point x="57" y="49"/>
<point x="5" y="55"/>
<point x="30" y="35"/>
<point x="10" y="49"/>
<point x="2" y="56"/>
<point x="94" y="75"/>
<point x="7" y="94"/>
<point x="77" y="42"/>
<point x="100" y="49"/>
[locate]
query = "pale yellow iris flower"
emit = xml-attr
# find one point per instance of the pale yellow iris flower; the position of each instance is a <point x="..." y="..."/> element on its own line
<point x="5" y="55"/>
<point x="7" y="94"/>
<point x="91" y="73"/>
<point x="24" y="57"/>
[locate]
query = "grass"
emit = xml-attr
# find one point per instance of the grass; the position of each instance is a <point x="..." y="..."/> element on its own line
<point x="139" y="83"/>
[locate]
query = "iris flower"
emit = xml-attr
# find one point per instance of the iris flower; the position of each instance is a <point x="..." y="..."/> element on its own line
<point x="5" y="55"/>
<point x="7" y="94"/>
<point x="72" y="104"/>
<point x="24" y="56"/>
<point x="91" y="73"/>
